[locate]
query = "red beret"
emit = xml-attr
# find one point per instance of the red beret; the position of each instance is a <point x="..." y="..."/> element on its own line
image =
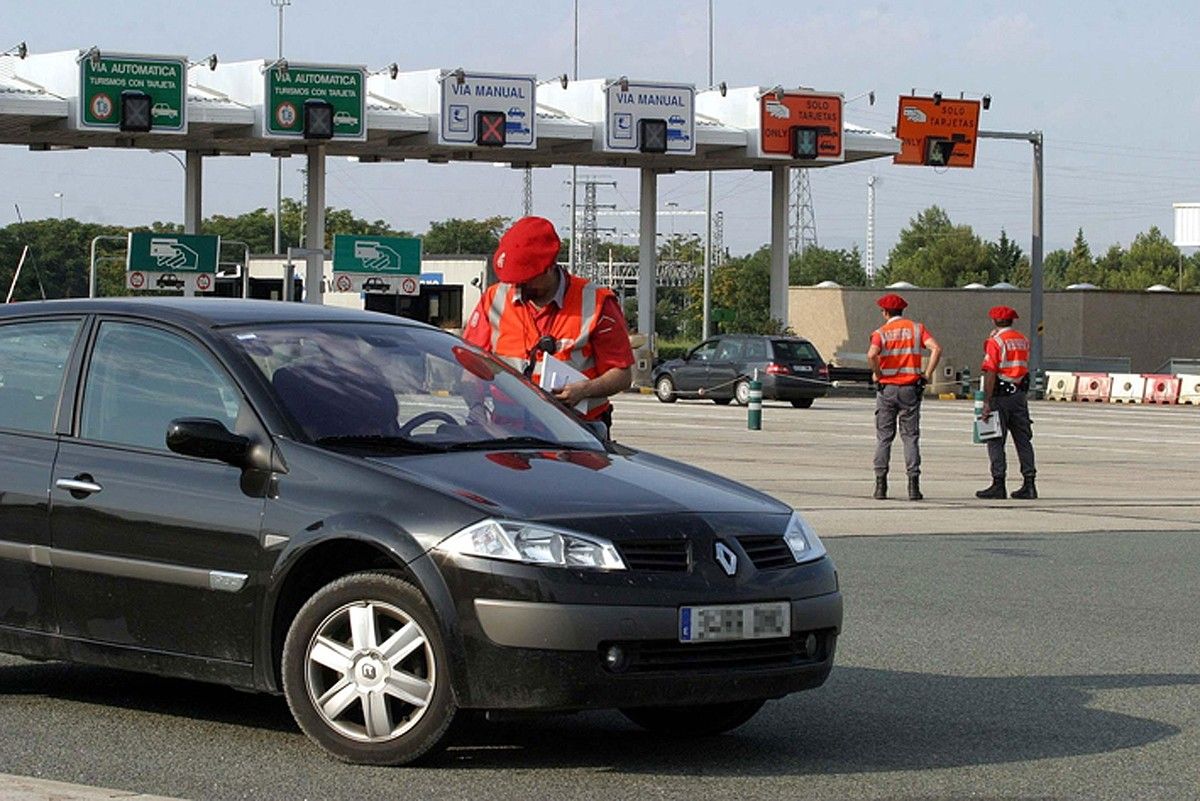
<point x="1003" y="313"/>
<point x="526" y="250"/>
<point x="892" y="302"/>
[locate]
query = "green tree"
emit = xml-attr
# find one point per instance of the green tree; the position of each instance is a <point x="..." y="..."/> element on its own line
<point x="822" y="264"/>
<point x="454" y="236"/>
<point x="742" y="285"/>
<point x="1004" y="260"/>
<point x="58" y="254"/>
<point x="1054" y="269"/>
<point x="933" y="252"/>
<point x="1151" y="259"/>
<point x="1081" y="267"/>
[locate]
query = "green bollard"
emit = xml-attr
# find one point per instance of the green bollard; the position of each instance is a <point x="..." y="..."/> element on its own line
<point x="978" y="414"/>
<point x="754" y="408"/>
<point x="966" y="382"/>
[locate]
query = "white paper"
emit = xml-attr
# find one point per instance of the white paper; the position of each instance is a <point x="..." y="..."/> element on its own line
<point x="556" y="374"/>
<point x="989" y="428"/>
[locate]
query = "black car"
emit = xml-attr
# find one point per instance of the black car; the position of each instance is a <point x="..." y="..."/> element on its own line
<point x="382" y="523"/>
<point x="720" y="369"/>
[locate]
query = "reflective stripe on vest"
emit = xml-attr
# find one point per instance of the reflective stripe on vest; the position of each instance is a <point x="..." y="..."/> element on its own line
<point x="1014" y="355"/>
<point x="900" y="351"/>
<point x="514" y="332"/>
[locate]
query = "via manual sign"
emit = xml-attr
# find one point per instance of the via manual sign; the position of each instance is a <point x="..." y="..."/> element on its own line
<point x="466" y="94"/>
<point x="101" y="85"/>
<point x="384" y="264"/>
<point x="628" y="103"/>
<point x="171" y="261"/>
<point x="288" y="87"/>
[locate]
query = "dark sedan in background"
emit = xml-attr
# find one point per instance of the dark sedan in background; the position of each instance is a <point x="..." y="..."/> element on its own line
<point x="720" y="369"/>
<point x="382" y="523"/>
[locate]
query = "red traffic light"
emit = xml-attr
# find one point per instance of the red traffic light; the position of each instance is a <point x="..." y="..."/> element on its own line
<point x="491" y="128"/>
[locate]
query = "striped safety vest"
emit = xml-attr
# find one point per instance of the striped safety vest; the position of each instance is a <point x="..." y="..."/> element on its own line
<point x="514" y="332"/>
<point x="1014" y="355"/>
<point x="900" y="351"/>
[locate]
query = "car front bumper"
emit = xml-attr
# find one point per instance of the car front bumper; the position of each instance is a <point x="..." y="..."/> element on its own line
<point x="535" y="639"/>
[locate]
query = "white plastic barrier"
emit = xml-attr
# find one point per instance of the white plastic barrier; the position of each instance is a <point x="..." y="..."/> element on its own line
<point x="1127" y="388"/>
<point x="1060" y="386"/>
<point x="1189" y="389"/>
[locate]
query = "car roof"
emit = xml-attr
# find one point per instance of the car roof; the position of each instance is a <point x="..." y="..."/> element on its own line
<point x="204" y="312"/>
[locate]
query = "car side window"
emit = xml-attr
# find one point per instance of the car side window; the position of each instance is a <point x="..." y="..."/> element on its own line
<point x="756" y="350"/>
<point x="33" y="357"/>
<point x="705" y="352"/>
<point x="730" y="350"/>
<point x="141" y="378"/>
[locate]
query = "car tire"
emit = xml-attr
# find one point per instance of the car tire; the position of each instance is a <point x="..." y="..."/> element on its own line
<point x="803" y="403"/>
<point x="722" y="401"/>
<point x="741" y="392"/>
<point x="664" y="389"/>
<point x="365" y="671"/>
<point x="703" y="720"/>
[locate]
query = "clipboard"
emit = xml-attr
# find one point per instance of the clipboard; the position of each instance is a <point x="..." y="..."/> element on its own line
<point x="556" y="374"/>
<point x="989" y="428"/>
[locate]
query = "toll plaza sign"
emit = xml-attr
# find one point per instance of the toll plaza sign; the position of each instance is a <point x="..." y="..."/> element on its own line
<point x="485" y="109"/>
<point x="389" y="265"/>
<point x="171" y="262"/>
<point x="801" y="125"/>
<point x="163" y="79"/>
<point x="937" y="132"/>
<point x="286" y="89"/>
<point x="650" y="118"/>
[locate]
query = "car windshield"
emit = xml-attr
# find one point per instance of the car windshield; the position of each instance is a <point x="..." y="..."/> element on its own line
<point x="400" y="389"/>
<point x="795" y="350"/>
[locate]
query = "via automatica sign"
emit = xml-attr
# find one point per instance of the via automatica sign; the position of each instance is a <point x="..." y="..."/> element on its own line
<point x="164" y="79"/>
<point x="344" y="88"/>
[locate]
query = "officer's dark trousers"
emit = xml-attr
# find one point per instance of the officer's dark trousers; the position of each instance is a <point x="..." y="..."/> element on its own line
<point x="1014" y="419"/>
<point x="902" y="403"/>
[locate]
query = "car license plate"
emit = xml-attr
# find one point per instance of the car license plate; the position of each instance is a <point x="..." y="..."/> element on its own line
<point x="802" y="368"/>
<point x="735" y="622"/>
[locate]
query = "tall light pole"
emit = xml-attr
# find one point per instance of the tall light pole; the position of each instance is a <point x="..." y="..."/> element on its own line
<point x="706" y="302"/>
<point x="574" y="169"/>
<point x="281" y="5"/>
<point x="60" y="196"/>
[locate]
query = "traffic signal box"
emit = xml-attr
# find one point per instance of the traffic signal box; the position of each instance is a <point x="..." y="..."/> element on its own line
<point x="136" y="112"/>
<point x="937" y="132"/>
<point x="652" y="136"/>
<point x="491" y="128"/>
<point x="318" y="119"/>
<point x="802" y="126"/>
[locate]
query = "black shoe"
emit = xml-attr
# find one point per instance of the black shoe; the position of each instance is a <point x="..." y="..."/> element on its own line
<point x="880" y="488"/>
<point x="996" y="491"/>
<point x="1027" y="492"/>
<point x="914" y="489"/>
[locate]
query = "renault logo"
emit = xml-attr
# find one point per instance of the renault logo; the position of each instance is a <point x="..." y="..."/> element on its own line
<point x="726" y="558"/>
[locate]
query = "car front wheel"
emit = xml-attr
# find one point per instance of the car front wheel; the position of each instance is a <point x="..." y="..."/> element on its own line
<point x="741" y="392"/>
<point x="664" y="388"/>
<point x="693" y="721"/>
<point x="365" y="671"/>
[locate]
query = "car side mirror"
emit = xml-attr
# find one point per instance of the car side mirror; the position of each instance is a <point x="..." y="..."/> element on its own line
<point x="207" y="438"/>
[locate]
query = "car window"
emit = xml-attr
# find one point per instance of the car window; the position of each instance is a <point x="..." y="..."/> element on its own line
<point x="141" y="378"/>
<point x="706" y="351"/>
<point x="730" y="350"/>
<point x="33" y="357"/>
<point x="795" y="350"/>
<point x="756" y="350"/>
<point x="400" y="385"/>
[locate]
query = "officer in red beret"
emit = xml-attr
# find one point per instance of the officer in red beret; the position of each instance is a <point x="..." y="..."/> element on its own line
<point x="895" y="359"/>
<point x="1005" y="386"/>
<point x="537" y="307"/>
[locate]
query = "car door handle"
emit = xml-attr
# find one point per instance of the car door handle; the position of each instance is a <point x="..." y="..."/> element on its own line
<point x="78" y="485"/>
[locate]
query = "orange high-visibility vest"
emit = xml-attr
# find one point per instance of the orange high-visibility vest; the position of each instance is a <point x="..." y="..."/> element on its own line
<point x="1013" y="364"/>
<point x="900" y="351"/>
<point x="514" y="332"/>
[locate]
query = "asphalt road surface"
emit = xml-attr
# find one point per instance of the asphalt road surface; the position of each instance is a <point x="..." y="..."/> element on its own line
<point x="1039" y="651"/>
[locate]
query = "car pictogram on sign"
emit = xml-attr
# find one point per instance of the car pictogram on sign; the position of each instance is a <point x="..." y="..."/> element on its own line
<point x="374" y="284"/>
<point x="170" y="281"/>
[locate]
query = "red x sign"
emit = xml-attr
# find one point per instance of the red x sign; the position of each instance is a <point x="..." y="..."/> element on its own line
<point x="490" y="128"/>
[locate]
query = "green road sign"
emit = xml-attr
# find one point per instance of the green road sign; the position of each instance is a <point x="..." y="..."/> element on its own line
<point x="172" y="253"/>
<point x="164" y="79"/>
<point x="342" y="87"/>
<point x="390" y="255"/>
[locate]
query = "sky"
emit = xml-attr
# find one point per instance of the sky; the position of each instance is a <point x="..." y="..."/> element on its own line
<point x="1111" y="85"/>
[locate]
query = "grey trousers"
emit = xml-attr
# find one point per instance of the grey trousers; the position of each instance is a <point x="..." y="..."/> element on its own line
<point x="903" y="403"/>
<point x="1014" y="419"/>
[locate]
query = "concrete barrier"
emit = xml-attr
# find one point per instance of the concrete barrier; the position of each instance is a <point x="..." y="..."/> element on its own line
<point x="1060" y="386"/>
<point x="1126" y="388"/>
<point x="1092" y="387"/>
<point x="1161" y="388"/>
<point x="1189" y="389"/>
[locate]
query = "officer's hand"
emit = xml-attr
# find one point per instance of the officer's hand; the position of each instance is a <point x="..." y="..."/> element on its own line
<point x="922" y="382"/>
<point x="572" y="394"/>
<point x="987" y="411"/>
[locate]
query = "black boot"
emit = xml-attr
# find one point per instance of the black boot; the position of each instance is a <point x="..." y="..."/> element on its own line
<point x="1027" y="492"/>
<point x="914" y="489"/>
<point x="996" y="491"/>
<point x="880" y="488"/>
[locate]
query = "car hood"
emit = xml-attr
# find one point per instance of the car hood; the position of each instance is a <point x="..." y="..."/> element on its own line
<point x="546" y="485"/>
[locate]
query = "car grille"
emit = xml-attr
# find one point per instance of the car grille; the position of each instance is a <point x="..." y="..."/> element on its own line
<point x="671" y="556"/>
<point x="767" y="552"/>
<point x="661" y="656"/>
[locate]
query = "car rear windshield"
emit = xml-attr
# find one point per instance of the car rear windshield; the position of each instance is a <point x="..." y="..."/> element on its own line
<point x="397" y="387"/>
<point x="795" y="350"/>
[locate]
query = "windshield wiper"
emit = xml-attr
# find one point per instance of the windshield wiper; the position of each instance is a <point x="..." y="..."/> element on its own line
<point x="510" y="442"/>
<point x="382" y="442"/>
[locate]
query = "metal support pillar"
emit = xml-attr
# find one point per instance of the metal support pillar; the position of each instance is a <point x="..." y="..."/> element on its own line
<point x="647" y="254"/>
<point x="779" y="244"/>
<point x="193" y="190"/>
<point x="314" y="225"/>
<point x="706" y="304"/>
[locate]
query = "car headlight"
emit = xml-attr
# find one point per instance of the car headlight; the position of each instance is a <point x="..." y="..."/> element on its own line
<point x="805" y="544"/>
<point x="534" y="544"/>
